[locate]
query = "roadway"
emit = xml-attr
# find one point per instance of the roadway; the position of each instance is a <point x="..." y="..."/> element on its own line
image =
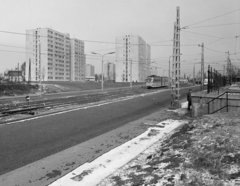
<point x="25" y="142"/>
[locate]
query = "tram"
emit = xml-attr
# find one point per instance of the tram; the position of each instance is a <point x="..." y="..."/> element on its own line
<point x="154" y="81"/>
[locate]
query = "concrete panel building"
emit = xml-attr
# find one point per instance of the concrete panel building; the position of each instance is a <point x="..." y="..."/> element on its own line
<point x="78" y="60"/>
<point x="109" y="72"/>
<point x="133" y="56"/>
<point x="90" y="72"/>
<point x="53" y="56"/>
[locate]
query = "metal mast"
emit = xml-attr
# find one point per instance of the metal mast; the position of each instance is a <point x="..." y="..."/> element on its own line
<point x="202" y="65"/>
<point x="176" y="63"/>
<point x="229" y="70"/>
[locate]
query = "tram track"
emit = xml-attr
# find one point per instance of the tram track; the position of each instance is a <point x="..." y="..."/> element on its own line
<point x="45" y="104"/>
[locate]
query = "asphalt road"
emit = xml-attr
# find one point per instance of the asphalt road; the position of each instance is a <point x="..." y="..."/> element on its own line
<point x="26" y="142"/>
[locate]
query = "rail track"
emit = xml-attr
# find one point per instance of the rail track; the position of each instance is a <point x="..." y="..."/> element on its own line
<point x="44" y="104"/>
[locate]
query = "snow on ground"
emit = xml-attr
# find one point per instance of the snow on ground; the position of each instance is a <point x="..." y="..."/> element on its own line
<point x="181" y="110"/>
<point x="184" y="104"/>
<point x="92" y="173"/>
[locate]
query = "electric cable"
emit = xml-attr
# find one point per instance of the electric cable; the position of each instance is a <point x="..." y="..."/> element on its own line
<point x="213" y="50"/>
<point x="213" y="25"/>
<point x="210" y="18"/>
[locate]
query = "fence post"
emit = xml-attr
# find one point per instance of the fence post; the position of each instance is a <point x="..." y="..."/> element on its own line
<point x="214" y="79"/>
<point x="211" y="80"/>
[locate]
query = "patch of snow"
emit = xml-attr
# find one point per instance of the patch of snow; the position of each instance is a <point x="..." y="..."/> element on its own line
<point x="184" y="104"/>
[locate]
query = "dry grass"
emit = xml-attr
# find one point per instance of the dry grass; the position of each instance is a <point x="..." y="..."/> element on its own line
<point x="214" y="154"/>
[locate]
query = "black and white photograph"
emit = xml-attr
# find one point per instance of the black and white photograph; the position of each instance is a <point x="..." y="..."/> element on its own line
<point x="120" y="93"/>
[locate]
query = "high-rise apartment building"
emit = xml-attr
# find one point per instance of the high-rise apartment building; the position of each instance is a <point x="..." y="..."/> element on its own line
<point x="109" y="72"/>
<point x="78" y="60"/>
<point x="53" y="56"/>
<point x="133" y="56"/>
<point x="90" y="72"/>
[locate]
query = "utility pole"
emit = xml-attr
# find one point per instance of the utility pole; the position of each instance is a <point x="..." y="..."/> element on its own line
<point x="18" y="72"/>
<point x="131" y="73"/>
<point x="194" y="81"/>
<point x="223" y="70"/>
<point x="229" y="69"/>
<point x="169" y="78"/>
<point x="29" y="71"/>
<point x="40" y="70"/>
<point x="202" y="65"/>
<point x="175" y="89"/>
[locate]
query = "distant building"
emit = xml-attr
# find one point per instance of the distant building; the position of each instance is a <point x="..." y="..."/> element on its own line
<point x="14" y="76"/>
<point x="109" y="72"/>
<point x="90" y="72"/>
<point x="54" y="56"/>
<point x="133" y="56"/>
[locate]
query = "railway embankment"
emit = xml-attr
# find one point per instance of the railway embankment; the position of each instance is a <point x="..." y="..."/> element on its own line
<point x="17" y="89"/>
<point x="12" y="89"/>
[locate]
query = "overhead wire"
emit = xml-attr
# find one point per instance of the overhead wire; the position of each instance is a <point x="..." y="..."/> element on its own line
<point x="211" y="18"/>
<point x="213" y="42"/>
<point x="91" y="41"/>
<point x="213" y="25"/>
<point x="213" y="50"/>
<point x="114" y="42"/>
<point x="202" y="34"/>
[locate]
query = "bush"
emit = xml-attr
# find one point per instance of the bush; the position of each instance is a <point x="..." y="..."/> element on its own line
<point x="11" y="89"/>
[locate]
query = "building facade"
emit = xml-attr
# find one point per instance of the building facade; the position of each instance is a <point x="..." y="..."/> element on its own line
<point x="90" y="72"/>
<point x="53" y="56"/>
<point x="109" y="72"/>
<point x="133" y="56"/>
<point x="78" y="60"/>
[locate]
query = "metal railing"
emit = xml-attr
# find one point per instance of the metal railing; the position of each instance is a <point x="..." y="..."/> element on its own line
<point x="227" y="102"/>
<point x="215" y="80"/>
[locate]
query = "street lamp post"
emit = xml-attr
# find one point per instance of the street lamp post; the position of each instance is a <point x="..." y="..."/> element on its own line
<point x="131" y="73"/>
<point x="169" y="79"/>
<point x="102" y="63"/>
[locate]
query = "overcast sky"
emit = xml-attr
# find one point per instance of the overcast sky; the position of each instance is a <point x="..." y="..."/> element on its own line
<point x="104" y="20"/>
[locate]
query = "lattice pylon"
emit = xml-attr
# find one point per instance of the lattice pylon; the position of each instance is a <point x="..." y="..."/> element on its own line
<point x="176" y="72"/>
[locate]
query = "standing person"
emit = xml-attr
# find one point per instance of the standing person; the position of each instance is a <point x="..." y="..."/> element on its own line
<point x="189" y="99"/>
